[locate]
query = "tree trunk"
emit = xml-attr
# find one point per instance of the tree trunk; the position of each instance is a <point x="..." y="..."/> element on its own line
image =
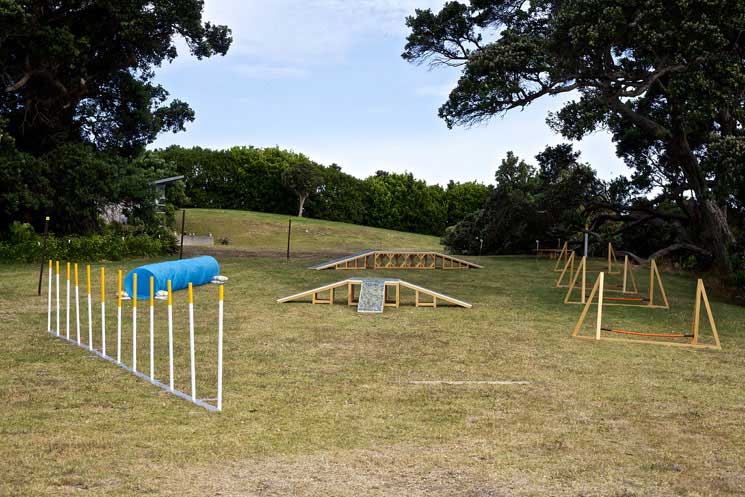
<point x="302" y="202"/>
<point x="709" y="219"/>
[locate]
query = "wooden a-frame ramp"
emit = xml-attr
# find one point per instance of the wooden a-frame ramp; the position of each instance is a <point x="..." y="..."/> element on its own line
<point x="654" y="338"/>
<point x="374" y="294"/>
<point x="397" y="259"/>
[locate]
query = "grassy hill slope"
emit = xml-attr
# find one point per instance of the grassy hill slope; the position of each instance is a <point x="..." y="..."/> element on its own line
<point x="267" y="233"/>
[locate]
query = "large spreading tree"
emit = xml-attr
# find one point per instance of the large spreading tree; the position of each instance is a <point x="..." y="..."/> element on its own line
<point x="666" y="77"/>
<point x="79" y="102"/>
<point x="82" y="70"/>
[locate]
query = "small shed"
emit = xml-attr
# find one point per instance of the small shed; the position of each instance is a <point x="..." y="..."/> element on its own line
<point x="160" y="186"/>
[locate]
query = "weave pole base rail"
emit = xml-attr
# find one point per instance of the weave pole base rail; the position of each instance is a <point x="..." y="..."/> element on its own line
<point x="153" y="381"/>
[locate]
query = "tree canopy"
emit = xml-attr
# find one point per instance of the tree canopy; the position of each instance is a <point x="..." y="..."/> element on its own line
<point x="78" y="102"/>
<point x="665" y="77"/>
<point x="82" y="71"/>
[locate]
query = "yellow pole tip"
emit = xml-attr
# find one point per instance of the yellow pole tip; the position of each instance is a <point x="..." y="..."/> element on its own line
<point x="46" y="218"/>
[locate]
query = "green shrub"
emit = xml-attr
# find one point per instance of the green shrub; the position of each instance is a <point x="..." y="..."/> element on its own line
<point x="23" y="245"/>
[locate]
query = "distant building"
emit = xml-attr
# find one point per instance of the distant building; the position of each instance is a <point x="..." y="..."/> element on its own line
<point x="160" y="186"/>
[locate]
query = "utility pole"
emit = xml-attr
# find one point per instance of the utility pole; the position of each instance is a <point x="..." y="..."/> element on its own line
<point x="183" y="223"/>
<point x="289" y="230"/>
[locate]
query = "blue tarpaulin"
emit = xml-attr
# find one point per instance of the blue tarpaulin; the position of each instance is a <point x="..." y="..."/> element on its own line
<point x="197" y="271"/>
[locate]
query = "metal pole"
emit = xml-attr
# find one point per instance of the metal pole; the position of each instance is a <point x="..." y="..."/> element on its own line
<point x="44" y="252"/>
<point x="587" y="236"/>
<point x="289" y="230"/>
<point x="183" y="222"/>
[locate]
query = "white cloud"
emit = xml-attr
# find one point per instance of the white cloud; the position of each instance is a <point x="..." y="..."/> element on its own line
<point x="309" y="32"/>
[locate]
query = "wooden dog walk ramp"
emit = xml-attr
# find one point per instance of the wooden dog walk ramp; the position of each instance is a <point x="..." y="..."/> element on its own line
<point x="375" y="294"/>
<point x="396" y="259"/>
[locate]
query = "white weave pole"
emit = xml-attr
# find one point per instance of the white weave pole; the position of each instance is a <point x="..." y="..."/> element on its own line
<point x="220" y="296"/>
<point x="191" y="345"/>
<point x="152" y="327"/>
<point x="103" y="311"/>
<point x="57" y="267"/>
<point x="49" y="298"/>
<point x="119" y="317"/>
<point x="134" y="321"/>
<point x="67" y="304"/>
<point x="90" y="308"/>
<point x="77" y="305"/>
<point x="170" y="337"/>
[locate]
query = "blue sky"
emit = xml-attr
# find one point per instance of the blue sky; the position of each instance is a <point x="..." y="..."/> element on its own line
<point x="325" y="78"/>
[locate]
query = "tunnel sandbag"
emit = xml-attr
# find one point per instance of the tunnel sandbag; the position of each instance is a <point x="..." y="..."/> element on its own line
<point x="197" y="270"/>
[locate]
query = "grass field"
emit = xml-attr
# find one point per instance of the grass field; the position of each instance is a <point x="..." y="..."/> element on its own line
<point x="318" y="399"/>
<point x="266" y="234"/>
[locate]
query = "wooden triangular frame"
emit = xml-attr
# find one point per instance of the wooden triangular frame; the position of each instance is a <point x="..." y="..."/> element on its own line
<point x="612" y="260"/>
<point x="597" y="291"/>
<point x="563" y="256"/>
<point x="568" y="270"/>
<point x="655" y="285"/>
<point x="628" y="285"/>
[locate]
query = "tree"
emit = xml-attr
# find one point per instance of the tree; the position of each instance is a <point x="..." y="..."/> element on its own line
<point x="303" y="178"/>
<point x="666" y="77"/>
<point x="81" y="71"/>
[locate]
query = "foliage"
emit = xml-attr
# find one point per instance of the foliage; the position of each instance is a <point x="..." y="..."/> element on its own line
<point x="302" y="178"/>
<point x="665" y="77"/>
<point x="74" y="184"/>
<point x="529" y="204"/>
<point x="23" y="245"/>
<point x="78" y="105"/>
<point x="251" y="178"/>
<point x="82" y="71"/>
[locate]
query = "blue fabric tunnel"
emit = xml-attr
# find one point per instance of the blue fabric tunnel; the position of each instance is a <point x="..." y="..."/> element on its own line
<point x="197" y="270"/>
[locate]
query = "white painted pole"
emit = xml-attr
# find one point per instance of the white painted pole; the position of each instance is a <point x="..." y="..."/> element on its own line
<point x="49" y="299"/>
<point x="191" y="345"/>
<point x="90" y="308"/>
<point x="220" y="296"/>
<point x="103" y="311"/>
<point x="57" y="267"/>
<point x="134" y="321"/>
<point x="119" y="317"/>
<point x="599" y="322"/>
<point x="152" y="327"/>
<point x="67" y="303"/>
<point x="170" y="337"/>
<point x="77" y="304"/>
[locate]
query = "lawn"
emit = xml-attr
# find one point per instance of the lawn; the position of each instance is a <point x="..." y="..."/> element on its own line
<point x="266" y="234"/>
<point x="319" y="401"/>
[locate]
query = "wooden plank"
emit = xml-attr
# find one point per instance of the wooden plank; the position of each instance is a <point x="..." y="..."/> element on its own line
<point x="650" y="342"/>
<point x="308" y="293"/>
<point x="438" y="295"/>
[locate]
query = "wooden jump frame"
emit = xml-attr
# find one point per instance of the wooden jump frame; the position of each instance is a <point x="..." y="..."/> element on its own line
<point x="563" y="256"/>
<point x="385" y="259"/>
<point x="325" y="294"/>
<point x="597" y="290"/>
<point x="628" y="285"/>
<point x="630" y="294"/>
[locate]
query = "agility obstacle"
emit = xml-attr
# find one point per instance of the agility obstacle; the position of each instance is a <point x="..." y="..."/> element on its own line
<point x="627" y="286"/>
<point x="133" y="368"/>
<point x="562" y="257"/>
<point x="374" y="294"/>
<point x="396" y="259"/>
<point x="630" y="296"/>
<point x="656" y="338"/>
